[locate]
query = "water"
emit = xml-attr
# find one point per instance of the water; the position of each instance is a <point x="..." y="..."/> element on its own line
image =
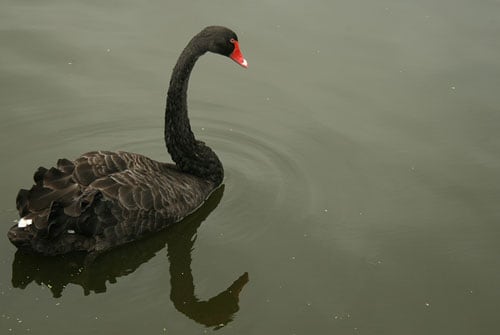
<point x="361" y="155"/>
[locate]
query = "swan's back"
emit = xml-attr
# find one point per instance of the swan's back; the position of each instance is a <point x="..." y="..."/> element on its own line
<point x="103" y="199"/>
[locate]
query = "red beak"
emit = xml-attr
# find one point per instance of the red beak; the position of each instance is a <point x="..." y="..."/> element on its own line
<point x="237" y="56"/>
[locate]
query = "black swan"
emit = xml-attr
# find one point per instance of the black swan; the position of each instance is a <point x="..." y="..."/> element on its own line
<point x="103" y="199"/>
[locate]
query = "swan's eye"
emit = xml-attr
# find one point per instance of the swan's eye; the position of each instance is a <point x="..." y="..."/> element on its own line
<point x="232" y="40"/>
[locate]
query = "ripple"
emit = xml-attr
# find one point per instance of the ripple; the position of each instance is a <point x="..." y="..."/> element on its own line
<point x="262" y="172"/>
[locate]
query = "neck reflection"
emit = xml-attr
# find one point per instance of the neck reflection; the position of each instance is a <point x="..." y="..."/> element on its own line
<point x="59" y="271"/>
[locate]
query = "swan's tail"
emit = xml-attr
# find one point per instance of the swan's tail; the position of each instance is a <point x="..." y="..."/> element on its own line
<point x="48" y="211"/>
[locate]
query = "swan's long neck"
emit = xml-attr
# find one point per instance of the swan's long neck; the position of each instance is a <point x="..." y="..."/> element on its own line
<point x="190" y="155"/>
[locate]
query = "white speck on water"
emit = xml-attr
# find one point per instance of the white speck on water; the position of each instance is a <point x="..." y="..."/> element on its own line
<point x="309" y="304"/>
<point x="427" y="304"/>
<point x="293" y="257"/>
<point x="360" y="213"/>
<point x="202" y="128"/>
<point x="71" y="231"/>
<point x="453" y="87"/>
<point x="57" y="304"/>
<point x="108" y="50"/>
<point x="412" y="168"/>
<point x="470" y="291"/>
<point x="49" y="286"/>
<point x="164" y="329"/>
<point x="305" y="235"/>
<point x="325" y="210"/>
<point x="70" y="63"/>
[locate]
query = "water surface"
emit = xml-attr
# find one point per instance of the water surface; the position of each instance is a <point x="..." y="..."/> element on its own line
<point x="361" y="152"/>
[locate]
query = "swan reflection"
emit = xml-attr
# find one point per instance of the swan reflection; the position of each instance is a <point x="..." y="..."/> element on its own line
<point x="57" y="272"/>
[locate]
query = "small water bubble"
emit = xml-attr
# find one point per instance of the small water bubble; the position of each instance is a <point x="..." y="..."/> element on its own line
<point x="70" y="63"/>
<point x="453" y="87"/>
<point x="108" y="50"/>
<point x="325" y="210"/>
<point x="427" y="304"/>
<point x="293" y="257"/>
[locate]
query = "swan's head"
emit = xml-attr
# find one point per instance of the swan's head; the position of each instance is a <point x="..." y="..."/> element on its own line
<point x="223" y="41"/>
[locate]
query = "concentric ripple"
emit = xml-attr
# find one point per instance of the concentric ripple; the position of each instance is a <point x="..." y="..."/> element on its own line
<point x="262" y="175"/>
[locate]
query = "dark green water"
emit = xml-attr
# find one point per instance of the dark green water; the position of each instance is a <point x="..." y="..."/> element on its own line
<point x="362" y="157"/>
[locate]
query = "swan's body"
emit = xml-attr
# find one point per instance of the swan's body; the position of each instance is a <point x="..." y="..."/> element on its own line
<point x="103" y="199"/>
